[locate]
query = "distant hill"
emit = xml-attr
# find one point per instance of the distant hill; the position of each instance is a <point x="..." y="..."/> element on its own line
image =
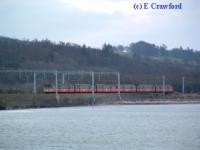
<point x="175" y="55"/>
<point x="139" y="60"/>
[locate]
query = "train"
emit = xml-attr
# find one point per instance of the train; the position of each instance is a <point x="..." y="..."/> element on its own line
<point x="111" y="88"/>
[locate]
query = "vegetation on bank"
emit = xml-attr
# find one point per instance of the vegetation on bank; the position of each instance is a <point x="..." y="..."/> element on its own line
<point x="21" y="101"/>
<point x="139" y="61"/>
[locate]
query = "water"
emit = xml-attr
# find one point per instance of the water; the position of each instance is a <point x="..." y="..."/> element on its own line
<point x="138" y="127"/>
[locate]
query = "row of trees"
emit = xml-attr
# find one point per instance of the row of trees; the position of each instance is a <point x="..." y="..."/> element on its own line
<point x="147" y="61"/>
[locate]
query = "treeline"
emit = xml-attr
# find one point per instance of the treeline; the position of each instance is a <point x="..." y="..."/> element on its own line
<point x="137" y="62"/>
<point x="161" y="53"/>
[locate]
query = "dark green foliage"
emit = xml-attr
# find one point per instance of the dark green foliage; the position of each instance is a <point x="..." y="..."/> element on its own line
<point x="180" y="55"/>
<point x="142" y="61"/>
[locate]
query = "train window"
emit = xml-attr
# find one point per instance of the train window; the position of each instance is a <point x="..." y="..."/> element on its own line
<point x="85" y="86"/>
<point x="100" y="86"/>
<point x="68" y="86"/>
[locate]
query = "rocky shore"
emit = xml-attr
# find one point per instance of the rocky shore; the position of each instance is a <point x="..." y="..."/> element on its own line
<point x="21" y="101"/>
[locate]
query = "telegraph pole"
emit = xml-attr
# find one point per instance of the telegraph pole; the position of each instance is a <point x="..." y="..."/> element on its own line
<point x="34" y="83"/>
<point x="57" y="96"/>
<point x="119" y="85"/>
<point x="44" y="75"/>
<point x="99" y="76"/>
<point x="163" y="85"/>
<point x="93" y="96"/>
<point x="183" y="85"/>
<point x="63" y="78"/>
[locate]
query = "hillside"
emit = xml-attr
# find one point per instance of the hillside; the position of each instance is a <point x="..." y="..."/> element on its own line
<point x="140" y="61"/>
<point x="161" y="53"/>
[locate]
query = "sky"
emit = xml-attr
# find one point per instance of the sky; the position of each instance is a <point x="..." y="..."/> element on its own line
<point x="95" y="22"/>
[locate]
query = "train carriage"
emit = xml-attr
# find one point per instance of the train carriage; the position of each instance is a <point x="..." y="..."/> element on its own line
<point x="110" y="88"/>
<point x="146" y="88"/>
<point x="83" y="88"/>
<point x="167" y="89"/>
<point x="67" y="89"/>
<point x="106" y="88"/>
<point x="127" y="88"/>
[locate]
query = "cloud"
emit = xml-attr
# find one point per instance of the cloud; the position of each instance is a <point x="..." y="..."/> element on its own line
<point x="121" y="8"/>
<point x="94" y="22"/>
<point x="101" y="6"/>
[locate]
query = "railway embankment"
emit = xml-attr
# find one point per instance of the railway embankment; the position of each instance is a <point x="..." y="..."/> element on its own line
<point x="21" y="101"/>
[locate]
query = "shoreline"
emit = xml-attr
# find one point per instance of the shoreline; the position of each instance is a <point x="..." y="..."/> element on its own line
<point x="25" y="101"/>
<point x="163" y="102"/>
<point x="124" y="103"/>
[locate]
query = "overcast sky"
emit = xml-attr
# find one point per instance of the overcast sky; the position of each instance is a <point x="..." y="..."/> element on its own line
<point x="95" y="22"/>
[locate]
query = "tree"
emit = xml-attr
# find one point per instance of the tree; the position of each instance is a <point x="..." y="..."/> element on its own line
<point x="107" y="48"/>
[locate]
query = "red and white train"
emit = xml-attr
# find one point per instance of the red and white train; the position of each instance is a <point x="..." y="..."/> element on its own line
<point x="111" y="88"/>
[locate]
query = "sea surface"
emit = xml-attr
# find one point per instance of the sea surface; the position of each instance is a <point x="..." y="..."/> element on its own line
<point x="132" y="127"/>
